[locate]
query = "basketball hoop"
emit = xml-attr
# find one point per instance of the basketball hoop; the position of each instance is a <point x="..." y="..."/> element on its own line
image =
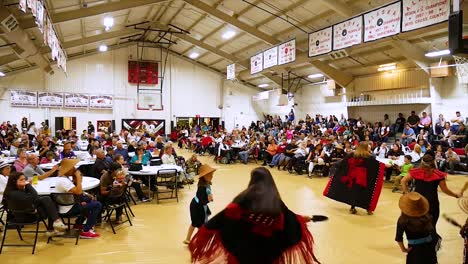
<point x="462" y="69"/>
<point x="151" y="107"/>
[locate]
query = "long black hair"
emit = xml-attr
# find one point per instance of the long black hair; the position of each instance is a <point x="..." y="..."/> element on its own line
<point x="261" y="196"/>
<point x="11" y="184"/>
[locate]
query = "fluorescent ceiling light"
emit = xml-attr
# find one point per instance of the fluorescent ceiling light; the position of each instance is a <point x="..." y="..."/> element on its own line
<point x="387" y="67"/>
<point x="103" y="47"/>
<point x="108" y="22"/>
<point x="438" y="53"/>
<point x="194" y="55"/>
<point x="2" y="74"/>
<point x="229" y="34"/>
<point x="263" y="85"/>
<point x="316" y="75"/>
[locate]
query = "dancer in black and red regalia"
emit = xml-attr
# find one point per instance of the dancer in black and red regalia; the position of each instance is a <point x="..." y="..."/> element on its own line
<point x="256" y="227"/>
<point x="357" y="181"/>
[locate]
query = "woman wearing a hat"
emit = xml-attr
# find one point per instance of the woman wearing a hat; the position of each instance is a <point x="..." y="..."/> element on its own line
<point x="416" y="223"/>
<point x="426" y="180"/>
<point x="256" y="227"/>
<point x="199" y="210"/>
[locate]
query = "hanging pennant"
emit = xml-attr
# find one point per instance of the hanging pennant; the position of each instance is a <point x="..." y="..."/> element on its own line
<point x="30" y="3"/>
<point x="40" y="16"/>
<point x="382" y="22"/>
<point x="320" y="42"/>
<point x="45" y="32"/>
<point x="33" y="7"/>
<point x="419" y="14"/>
<point x="347" y="33"/>
<point x="23" y="5"/>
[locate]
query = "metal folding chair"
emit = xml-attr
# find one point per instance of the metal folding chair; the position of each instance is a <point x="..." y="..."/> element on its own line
<point x="109" y="208"/>
<point x="67" y="199"/>
<point x="13" y="221"/>
<point x="167" y="178"/>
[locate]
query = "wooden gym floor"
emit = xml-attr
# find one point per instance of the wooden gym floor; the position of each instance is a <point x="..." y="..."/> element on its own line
<point x="159" y="230"/>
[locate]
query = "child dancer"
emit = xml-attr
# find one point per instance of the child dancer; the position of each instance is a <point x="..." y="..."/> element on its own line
<point x="199" y="210"/>
<point x="417" y="225"/>
<point x="404" y="169"/>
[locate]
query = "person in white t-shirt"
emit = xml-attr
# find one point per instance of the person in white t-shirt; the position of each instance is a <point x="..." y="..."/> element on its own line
<point x="84" y="203"/>
<point x="5" y="170"/>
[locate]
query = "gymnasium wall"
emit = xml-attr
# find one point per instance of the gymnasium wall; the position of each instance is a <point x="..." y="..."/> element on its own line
<point x="188" y="90"/>
<point x="318" y="99"/>
<point x="191" y="90"/>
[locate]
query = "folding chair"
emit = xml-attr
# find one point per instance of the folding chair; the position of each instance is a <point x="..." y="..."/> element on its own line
<point x="18" y="218"/>
<point x="129" y="198"/>
<point x="67" y="199"/>
<point x="2" y="212"/>
<point x="168" y="179"/>
<point x="113" y="203"/>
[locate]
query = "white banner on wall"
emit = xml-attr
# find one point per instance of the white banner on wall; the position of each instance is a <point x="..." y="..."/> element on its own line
<point x="23" y="98"/>
<point x="73" y="100"/>
<point x="287" y="52"/>
<point x="256" y="63"/>
<point x="348" y="33"/>
<point x="45" y="99"/>
<point x="320" y="42"/>
<point x="270" y="58"/>
<point x="231" y="71"/>
<point x="101" y="101"/>
<point x="383" y="22"/>
<point x="418" y="14"/>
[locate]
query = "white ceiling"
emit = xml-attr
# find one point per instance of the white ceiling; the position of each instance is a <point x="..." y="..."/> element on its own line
<point x="309" y="15"/>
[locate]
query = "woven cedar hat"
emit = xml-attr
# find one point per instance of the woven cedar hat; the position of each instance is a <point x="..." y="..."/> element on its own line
<point x="414" y="204"/>
<point x="66" y="166"/>
<point x="204" y="169"/>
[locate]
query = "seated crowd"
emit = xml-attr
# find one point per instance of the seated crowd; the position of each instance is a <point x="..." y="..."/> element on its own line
<point x="314" y="144"/>
<point x="310" y="145"/>
<point x="108" y="156"/>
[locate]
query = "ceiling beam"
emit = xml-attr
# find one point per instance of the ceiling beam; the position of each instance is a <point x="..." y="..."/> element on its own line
<point x="340" y="77"/>
<point x="339" y="7"/>
<point x="176" y="13"/>
<point x="8" y="59"/>
<point x="232" y="20"/>
<point x="91" y="11"/>
<point x="25" y="48"/>
<point x="413" y="53"/>
<point x="213" y="50"/>
<point x="100" y="37"/>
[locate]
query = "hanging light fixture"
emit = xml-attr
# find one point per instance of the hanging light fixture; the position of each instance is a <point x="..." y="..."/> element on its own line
<point x="108" y="22"/>
<point x="194" y="55"/>
<point x="103" y="48"/>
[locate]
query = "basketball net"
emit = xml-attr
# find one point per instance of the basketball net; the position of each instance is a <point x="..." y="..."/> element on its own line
<point x="462" y="69"/>
<point x="151" y="107"/>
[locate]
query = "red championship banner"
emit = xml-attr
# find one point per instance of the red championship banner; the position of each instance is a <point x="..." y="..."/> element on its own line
<point x="256" y="63"/>
<point x="287" y="52"/>
<point x="320" y="42"/>
<point x="348" y="33"/>
<point x="423" y="13"/>
<point x="383" y="22"/>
